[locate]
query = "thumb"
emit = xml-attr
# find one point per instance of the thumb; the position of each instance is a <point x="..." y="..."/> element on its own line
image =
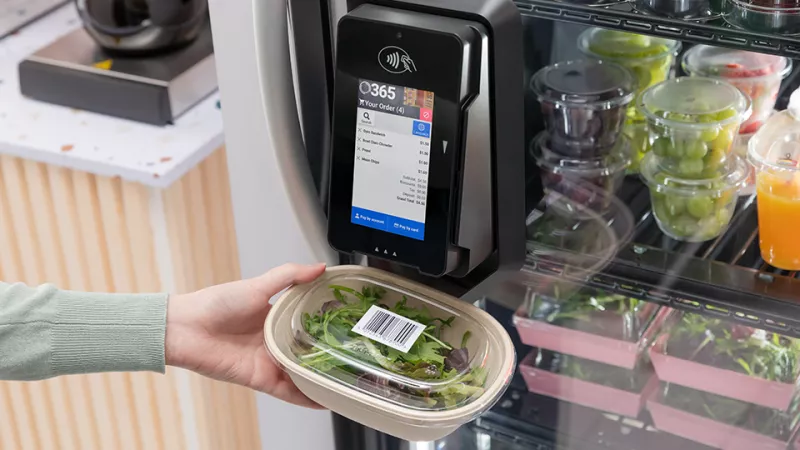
<point x="288" y="275"/>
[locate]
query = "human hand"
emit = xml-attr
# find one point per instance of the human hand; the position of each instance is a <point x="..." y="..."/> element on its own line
<point x="218" y="332"/>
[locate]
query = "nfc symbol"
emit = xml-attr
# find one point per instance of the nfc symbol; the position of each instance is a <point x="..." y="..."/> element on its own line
<point x="393" y="59"/>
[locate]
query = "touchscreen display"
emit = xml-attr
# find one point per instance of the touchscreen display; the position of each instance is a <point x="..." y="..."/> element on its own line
<point x="393" y="141"/>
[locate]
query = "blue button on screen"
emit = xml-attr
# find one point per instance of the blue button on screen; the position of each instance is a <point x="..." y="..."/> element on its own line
<point x="422" y="129"/>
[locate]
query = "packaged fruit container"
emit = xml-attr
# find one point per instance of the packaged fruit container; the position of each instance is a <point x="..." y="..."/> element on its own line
<point x="693" y="210"/>
<point x="758" y="75"/>
<point x="693" y="123"/>
<point x="584" y="105"/>
<point x="774" y="152"/>
<point x="390" y="354"/>
<point x="586" y="322"/>
<point x="765" y="16"/>
<point x="639" y="138"/>
<point x="603" y="172"/>
<point x="588" y="383"/>
<point x="721" y="422"/>
<point x="650" y="59"/>
<point x="727" y="359"/>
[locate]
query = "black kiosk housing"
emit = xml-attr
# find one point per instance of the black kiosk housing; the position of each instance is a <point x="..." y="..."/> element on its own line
<point x="427" y="160"/>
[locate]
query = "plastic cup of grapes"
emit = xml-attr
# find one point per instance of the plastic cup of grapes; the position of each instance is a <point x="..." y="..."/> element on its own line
<point x="693" y="210"/>
<point x="692" y="123"/>
<point x="584" y="105"/>
<point x="590" y="182"/>
<point x="758" y="75"/>
<point x="650" y="58"/>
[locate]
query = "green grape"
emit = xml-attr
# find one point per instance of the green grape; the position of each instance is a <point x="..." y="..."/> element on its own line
<point x="723" y="142"/>
<point x="709" y="228"/>
<point x="679" y="117"/>
<point x="685" y="226"/>
<point x="709" y="134"/>
<point x="696" y="150"/>
<point x="690" y="167"/>
<point x="675" y="150"/>
<point x="674" y="205"/>
<point x="700" y="207"/>
<point x="661" y="146"/>
<point x="726" y="114"/>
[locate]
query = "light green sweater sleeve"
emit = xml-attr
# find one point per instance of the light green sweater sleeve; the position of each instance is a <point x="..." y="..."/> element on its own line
<point x="47" y="332"/>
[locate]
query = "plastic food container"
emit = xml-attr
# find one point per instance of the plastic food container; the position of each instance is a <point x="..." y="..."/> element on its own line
<point x="727" y="359"/>
<point x="388" y="353"/>
<point x="764" y="16"/>
<point x="584" y="104"/>
<point x="774" y="152"/>
<point x="586" y="322"/>
<point x="685" y="9"/>
<point x="718" y="421"/>
<point x="693" y="122"/>
<point x="740" y="149"/>
<point x="758" y="75"/>
<point x="651" y="59"/>
<point x="693" y="210"/>
<point x="604" y="172"/>
<point x="568" y="239"/>
<point x="588" y="383"/>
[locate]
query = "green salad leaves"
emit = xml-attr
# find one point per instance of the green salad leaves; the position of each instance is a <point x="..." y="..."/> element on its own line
<point x="433" y="374"/>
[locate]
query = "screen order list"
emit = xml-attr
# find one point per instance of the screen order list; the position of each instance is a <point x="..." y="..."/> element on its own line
<point x="390" y="178"/>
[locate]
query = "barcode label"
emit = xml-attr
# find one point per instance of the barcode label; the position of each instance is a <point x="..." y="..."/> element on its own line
<point x="389" y="328"/>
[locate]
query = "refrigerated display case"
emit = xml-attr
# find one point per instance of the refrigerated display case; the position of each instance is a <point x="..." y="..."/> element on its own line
<point x="277" y="71"/>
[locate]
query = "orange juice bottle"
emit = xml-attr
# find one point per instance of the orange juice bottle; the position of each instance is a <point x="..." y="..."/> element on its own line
<point x="774" y="152"/>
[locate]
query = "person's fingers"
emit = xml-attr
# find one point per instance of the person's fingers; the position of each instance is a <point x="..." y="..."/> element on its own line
<point x="287" y="275"/>
<point x="286" y="390"/>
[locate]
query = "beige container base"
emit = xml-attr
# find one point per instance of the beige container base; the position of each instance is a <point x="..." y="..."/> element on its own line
<point x="402" y="422"/>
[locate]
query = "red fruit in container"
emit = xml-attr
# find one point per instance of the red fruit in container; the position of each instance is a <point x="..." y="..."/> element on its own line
<point x="758" y="75"/>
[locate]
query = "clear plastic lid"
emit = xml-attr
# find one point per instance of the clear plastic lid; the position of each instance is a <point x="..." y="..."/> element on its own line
<point x="615" y="162"/>
<point x="728" y="178"/>
<point x="588" y="83"/>
<point x="694" y="102"/>
<point x="587" y="309"/>
<point x="708" y="61"/>
<point x="611" y="44"/>
<point x="776" y="147"/>
<point x="373" y="332"/>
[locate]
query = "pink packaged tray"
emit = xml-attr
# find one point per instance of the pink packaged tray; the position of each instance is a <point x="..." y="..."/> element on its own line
<point x="707" y="431"/>
<point x="605" y="349"/>
<point x="759" y="391"/>
<point x="592" y="395"/>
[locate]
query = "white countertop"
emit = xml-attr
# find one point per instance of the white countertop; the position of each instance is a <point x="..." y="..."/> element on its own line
<point x="102" y="145"/>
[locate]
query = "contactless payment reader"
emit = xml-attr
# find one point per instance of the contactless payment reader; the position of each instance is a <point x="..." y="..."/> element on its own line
<point x="427" y="166"/>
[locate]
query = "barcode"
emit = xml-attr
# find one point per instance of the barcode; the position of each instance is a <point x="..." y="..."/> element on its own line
<point x="389" y="328"/>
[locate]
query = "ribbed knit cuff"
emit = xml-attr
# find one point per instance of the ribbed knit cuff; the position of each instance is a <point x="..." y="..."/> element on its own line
<point x="109" y="333"/>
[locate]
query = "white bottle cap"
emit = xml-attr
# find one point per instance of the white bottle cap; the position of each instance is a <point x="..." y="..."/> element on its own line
<point x="794" y="105"/>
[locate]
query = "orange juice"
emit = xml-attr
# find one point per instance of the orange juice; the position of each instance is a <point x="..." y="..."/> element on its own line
<point x="779" y="218"/>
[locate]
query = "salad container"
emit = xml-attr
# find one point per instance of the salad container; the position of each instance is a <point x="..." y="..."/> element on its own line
<point x="692" y="210"/>
<point x="758" y="75"/>
<point x="720" y="422"/>
<point x="693" y="122"/>
<point x="765" y="16"/>
<point x="584" y="105"/>
<point x="588" y="383"/>
<point x="586" y="322"/>
<point x="726" y="359"/>
<point x="388" y="353"/>
<point x="650" y="59"/>
<point x="606" y="173"/>
<point x="774" y="152"/>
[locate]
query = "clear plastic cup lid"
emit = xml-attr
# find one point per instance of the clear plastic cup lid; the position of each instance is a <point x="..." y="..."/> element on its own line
<point x="617" y="160"/>
<point x="612" y="44"/>
<point x="694" y="102"/>
<point x="781" y="152"/>
<point x="708" y="61"/>
<point x="585" y="82"/>
<point x="729" y="177"/>
<point x="388" y="341"/>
